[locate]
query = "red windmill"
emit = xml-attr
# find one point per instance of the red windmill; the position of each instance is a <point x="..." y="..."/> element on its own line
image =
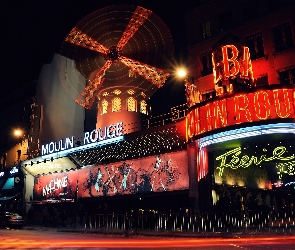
<point x="120" y="50"/>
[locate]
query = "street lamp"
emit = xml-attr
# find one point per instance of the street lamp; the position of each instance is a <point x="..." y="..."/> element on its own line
<point x="193" y="95"/>
<point x="18" y="133"/>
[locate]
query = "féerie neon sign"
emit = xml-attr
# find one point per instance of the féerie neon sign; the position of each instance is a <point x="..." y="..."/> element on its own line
<point x="241" y="108"/>
<point x="234" y="159"/>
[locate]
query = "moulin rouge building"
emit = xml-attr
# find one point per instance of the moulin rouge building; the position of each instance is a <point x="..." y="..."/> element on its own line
<point x="235" y="139"/>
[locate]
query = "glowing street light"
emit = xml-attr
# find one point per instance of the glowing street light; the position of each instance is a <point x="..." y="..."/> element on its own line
<point x="18" y="133"/>
<point x="181" y="73"/>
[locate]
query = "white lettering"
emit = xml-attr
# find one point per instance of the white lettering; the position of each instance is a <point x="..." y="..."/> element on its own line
<point x="54" y="185"/>
<point x="94" y="138"/>
<point x="109" y="132"/>
<point x="119" y="130"/>
<point x="44" y="149"/>
<point x="70" y="142"/>
<point x="51" y="147"/>
<point x="86" y="138"/>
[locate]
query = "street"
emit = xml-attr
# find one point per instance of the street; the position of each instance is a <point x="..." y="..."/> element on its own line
<point x="51" y="239"/>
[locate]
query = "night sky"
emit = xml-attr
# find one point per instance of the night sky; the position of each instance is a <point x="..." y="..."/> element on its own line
<point x="32" y="31"/>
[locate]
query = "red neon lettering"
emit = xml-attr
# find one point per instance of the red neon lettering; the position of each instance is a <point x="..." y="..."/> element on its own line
<point x="220" y="114"/>
<point x="216" y="70"/>
<point x="283" y="107"/>
<point x="262" y="105"/>
<point x="230" y="65"/>
<point x="190" y="121"/>
<point x="241" y="106"/>
<point x="246" y="68"/>
<point x="209" y="117"/>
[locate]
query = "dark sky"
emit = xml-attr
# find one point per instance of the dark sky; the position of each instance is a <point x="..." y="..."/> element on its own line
<point x="32" y="31"/>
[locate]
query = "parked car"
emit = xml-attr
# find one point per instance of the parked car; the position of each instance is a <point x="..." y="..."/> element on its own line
<point x="9" y="219"/>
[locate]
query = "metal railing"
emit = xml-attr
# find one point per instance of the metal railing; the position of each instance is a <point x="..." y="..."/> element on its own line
<point x="275" y="221"/>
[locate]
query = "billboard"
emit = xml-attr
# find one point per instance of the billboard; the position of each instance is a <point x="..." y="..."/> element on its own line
<point x="159" y="173"/>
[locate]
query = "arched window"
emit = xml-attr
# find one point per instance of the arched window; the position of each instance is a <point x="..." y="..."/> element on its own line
<point x="143" y="107"/>
<point x="116" y="104"/>
<point x="104" y="107"/>
<point x="131" y="104"/>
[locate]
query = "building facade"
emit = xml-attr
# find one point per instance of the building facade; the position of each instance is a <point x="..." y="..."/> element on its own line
<point x="241" y="58"/>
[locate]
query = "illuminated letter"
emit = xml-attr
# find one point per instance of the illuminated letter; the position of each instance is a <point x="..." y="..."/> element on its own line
<point x="119" y="129"/>
<point x="44" y="149"/>
<point x="190" y="125"/>
<point x="262" y="105"/>
<point x="61" y="145"/>
<point x="220" y="114"/>
<point x="70" y="142"/>
<point x="102" y="137"/>
<point x="95" y="135"/>
<point x="282" y="112"/>
<point x="242" y="107"/>
<point x="86" y="138"/>
<point x="55" y="148"/>
<point x="216" y="70"/>
<point x="51" y="147"/>
<point x="246" y="69"/>
<point x="209" y="117"/>
<point x="111" y="131"/>
<point x="230" y="65"/>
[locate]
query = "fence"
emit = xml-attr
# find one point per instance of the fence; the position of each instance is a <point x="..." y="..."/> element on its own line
<point x="247" y="221"/>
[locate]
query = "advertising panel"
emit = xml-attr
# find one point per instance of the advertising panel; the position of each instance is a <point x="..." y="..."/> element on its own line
<point x="164" y="172"/>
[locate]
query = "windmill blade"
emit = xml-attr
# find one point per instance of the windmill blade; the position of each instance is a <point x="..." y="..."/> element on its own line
<point x="87" y="97"/>
<point x="138" y="18"/>
<point x="81" y="39"/>
<point x="154" y="75"/>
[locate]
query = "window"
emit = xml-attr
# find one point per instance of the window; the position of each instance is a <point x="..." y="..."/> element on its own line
<point x="287" y="76"/>
<point x="131" y="104"/>
<point x="225" y="21"/>
<point x="205" y="28"/>
<point x="255" y="44"/>
<point x="116" y="104"/>
<point x="104" y="107"/>
<point x="261" y="81"/>
<point x="143" y="107"/>
<point x="206" y="64"/>
<point x="282" y="36"/>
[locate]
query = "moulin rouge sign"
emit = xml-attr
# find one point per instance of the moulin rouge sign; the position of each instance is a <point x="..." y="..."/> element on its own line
<point x="241" y="108"/>
<point x="230" y="63"/>
<point x="97" y="135"/>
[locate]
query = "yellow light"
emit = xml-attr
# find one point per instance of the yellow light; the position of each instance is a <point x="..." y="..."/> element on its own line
<point x="181" y="73"/>
<point x="17" y="132"/>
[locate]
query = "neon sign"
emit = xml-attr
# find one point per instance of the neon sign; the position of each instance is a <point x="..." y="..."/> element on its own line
<point x="241" y="108"/>
<point x="97" y="135"/>
<point x="231" y="62"/>
<point x="234" y="159"/>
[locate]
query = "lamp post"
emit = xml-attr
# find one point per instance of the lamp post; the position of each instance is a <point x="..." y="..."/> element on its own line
<point x="193" y="95"/>
<point x="18" y="133"/>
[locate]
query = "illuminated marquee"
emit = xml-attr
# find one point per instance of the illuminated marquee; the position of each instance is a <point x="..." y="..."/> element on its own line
<point x="241" y="108"/>
<point x="112" y="131"/>
<point x="230" y="62"/>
